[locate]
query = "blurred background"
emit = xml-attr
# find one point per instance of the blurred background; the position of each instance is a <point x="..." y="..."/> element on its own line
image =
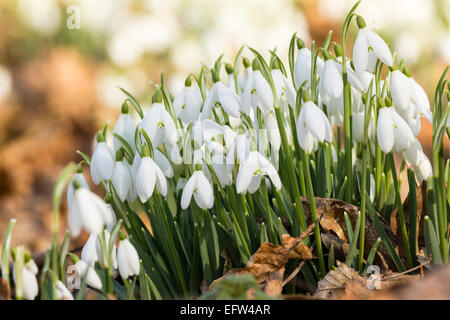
<point x="61" y="62"/>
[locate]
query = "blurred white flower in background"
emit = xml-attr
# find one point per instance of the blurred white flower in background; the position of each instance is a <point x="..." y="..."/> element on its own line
<point x="5" y="83"/>
<point x="43" y="16"/>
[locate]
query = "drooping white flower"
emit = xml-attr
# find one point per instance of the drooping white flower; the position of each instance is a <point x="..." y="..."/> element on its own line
<point x="283" y="87"/>
<point x="128" y="259"/>
<point x="122" y="177"/>
<point x="257" y="93"/>
<point x="163" y="163"/>
<point x="88" y="211"/>
<point x="87" y="271"/>
<point x="125" y="127"/>
<point x="79" y="177"/>
<point x="158" y="123"/>
<point x="251" y="172"/>
<point x="187" y="103"/>
<point x="302" y="67"/>
<point x="61" y="291"/>
<point x="147" y="176"/>
<point x="273" y="132"/>
<point x="113" y="252"/>
<point x="221" y="96"/>
<point x="312" y="127"/>
<point x="401" y="93"/>
<point x="331" y="85"/>
<point x="423" y="169"/>
<point x="30" y="288"/>
<point x="222" y="169"/>
<point x="368" y="40"/>
<point x="358" y="127"/>
<point x="102" y="162"/>
<point x="89" y="251"/>
<point x="199" y="186"/>
<point x="393" y="132"/>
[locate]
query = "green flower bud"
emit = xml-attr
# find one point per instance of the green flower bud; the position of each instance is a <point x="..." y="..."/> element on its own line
<point x="255" y="64"/>
<point x="187" y="82"/>
<point x="125" y="108"/>
<point x="215" y="76"/>
<point x="157" y="96"/>
<point x="145" y="151"/>
<point x="119" y="155"/>
<point x="229" y="68"/>
<point x="388" y="101"/>
<point x="360" y="21"/>
<point x="380" y="102"/>
<point x="305" y="95"/>
<point x="100" y="137"/>
<point x="338" y="50"/>
<point x="300" y="44"/>
<point x="246" y="62"/>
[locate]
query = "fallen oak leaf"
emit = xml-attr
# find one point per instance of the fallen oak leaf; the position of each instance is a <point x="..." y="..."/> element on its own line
<point x="331" y="218"/>
<point x="345" y="283"/>
<point x="270" y="258"/>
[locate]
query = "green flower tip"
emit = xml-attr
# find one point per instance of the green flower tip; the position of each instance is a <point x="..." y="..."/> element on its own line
<point x="100" y="137"/>
<point x="157" y="96"/>
<point x="276" y="64"/>
<point x="364" y="98"/>
<point x="406" y="71"/>
<point x="229" y="68"/>
<point x="79" y="168"/>
<point x="187" y="82"/>
<point x="119" y="155"/>
<point x="392" y="69"/>
<point x="305" y="95"/>
<point x="122" y="235"/>
<point x="300" y="44"/>
<point x="338" y="50"/>
<point x="125" y="108"/>
<point x="255" y="64"/>
<point x="246" y="62"/>
<point x="215" y="76"/>
<point x="352" y="65"/>
<point x="326" y="55"/>
<point x="360" y="21"/>
<point x="108" y="198"/>
<point x="76" y="184"/>
<point x="388" y="101"/>
<point x="381" y="103"/>
<point x="145" y="151"/>
<point x="198" y="167"/>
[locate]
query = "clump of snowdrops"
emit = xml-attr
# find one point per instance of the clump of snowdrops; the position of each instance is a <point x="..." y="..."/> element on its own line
<point x="222" y="166"/>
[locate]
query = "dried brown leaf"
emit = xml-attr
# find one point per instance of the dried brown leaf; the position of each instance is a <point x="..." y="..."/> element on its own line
<point x="274" y="283"/>
<point x="331" y="219"/>
<point x="270" y="258"/>
<point x="5" y="290"/>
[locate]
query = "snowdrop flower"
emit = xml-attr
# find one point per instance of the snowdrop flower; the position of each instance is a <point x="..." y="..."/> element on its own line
<point x="331" y="85"/>
<point x="273" y="132"/>
<point x="79" y="177"/>
<point x="122" y="177"/>
<point x="102" y="162"/>
<point x="61" y="291"/>
<point x="163" y="163"/>
<point x="187" y="103"/>
<point x="87" y="270"/>
<point x="393" y="132"/>
<point x="128" y="259"/>
<point x="221" y="96"/>
<point x="365" y="40"/>
<point x="222" y="169"/>
<point x="283" y="87"/>
<point x="412" y="153"/>
<point x="174" y="154"/>
<point x="251" y="172"/>
<point x="420" y="99"/>
<point x="158" y="123"/>
<point x="423" y="168"/>
<point x="125" y="127"/>
<point x="100" y="254"/>
<point x="199" y="186"/>
<point x="401" y="93"/>
<point x="88" y="211"/>
<point x="257" y="92"/>
<point x="29" y="283"/>
<point x="302" y="67"/>
<point x="147" y="176"/>
<point x="312" y="127"/>
<point x="358" y="127"/>
<point x="89" y="251"/>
